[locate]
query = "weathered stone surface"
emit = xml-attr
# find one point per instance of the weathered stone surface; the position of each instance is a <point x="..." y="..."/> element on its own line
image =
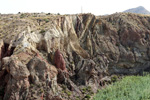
<point x="17" y="80"/>
<point x="84" y="50"/>
<point x="41" y="71"/>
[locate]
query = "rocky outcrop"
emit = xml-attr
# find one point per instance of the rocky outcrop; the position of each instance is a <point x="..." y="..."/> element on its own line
<point x="70" y="56"/>
<point x="17" y="79"/>
<point x="44" y="76"/>
<point x="23" y="80"/>
<point x="133" y="43"/>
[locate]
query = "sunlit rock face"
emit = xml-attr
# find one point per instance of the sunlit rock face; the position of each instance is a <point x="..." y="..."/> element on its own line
<point x="58" y="57"/>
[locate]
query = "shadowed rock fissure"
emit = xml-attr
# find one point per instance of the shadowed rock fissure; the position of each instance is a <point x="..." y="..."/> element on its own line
<point x="6" y="51"/>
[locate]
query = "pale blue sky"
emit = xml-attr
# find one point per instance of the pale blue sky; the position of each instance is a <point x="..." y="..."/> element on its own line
<point x="97" y="7"/>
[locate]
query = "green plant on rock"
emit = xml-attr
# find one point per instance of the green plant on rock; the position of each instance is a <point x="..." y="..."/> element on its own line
<point x="64" y="87"/>
<point x="62" y="91"/>
<point x="84" y="90"/>
<point x="87" y="96"/>
<point x="142" y="53"/>
<point x="89" y="88"/>
<point x="68" y="93"/>
<point x="42" y="31"/>
<point x="48" y="14"/>
<point x="22" y="15"/>
<point x="77" y="98"/>
<point x="114" y="78"/>
<point x="41" y="90"/>
<point x="46" y="20"/>
<point x="32" y="85"/>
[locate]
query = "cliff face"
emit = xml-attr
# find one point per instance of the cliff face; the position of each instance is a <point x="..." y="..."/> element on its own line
<point x="70" y="56"/>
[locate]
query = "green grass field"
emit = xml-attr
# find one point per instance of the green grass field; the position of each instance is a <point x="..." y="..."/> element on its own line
<point x="129" y="88"/>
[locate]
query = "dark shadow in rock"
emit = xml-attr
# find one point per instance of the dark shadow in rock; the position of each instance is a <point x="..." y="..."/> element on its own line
<point x="8" y="51"/>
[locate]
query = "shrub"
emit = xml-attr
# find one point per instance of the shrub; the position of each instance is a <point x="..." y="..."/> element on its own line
<point x="42" y="31"/>
<point x="142" y="53"/>
<point x="22" y="15"/>
<point x="46" y="20"/>
<point x="114" y="78"/>
<point x="48" y="14"/>
<point x="129" y="88"/>
<point x="87" y="96"/>
<point x="68" y="93"/>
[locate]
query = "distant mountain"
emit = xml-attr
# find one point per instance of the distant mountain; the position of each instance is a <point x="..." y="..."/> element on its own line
<point x="138" y="10"/>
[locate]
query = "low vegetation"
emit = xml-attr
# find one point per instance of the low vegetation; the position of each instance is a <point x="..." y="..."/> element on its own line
<point x="129" y="88"/>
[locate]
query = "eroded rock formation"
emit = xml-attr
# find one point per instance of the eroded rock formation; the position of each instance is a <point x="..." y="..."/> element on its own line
<point x="69" y="56"/>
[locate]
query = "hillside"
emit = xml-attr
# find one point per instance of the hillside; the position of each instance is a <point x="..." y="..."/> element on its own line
<point x="69" y="57"/>
<point x="138" y="10"/>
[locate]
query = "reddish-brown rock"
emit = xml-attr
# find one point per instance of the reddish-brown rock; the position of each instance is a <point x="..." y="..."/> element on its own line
<point x="59" y="60"/>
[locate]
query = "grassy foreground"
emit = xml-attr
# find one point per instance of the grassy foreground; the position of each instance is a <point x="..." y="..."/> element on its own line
<point x="129" y="88"/>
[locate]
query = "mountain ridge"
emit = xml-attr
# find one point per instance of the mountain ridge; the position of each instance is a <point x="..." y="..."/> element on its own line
<point x="138" y="10"/>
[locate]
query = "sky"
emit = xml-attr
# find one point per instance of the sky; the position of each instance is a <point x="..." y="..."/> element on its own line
<point x="97" y="7"/>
